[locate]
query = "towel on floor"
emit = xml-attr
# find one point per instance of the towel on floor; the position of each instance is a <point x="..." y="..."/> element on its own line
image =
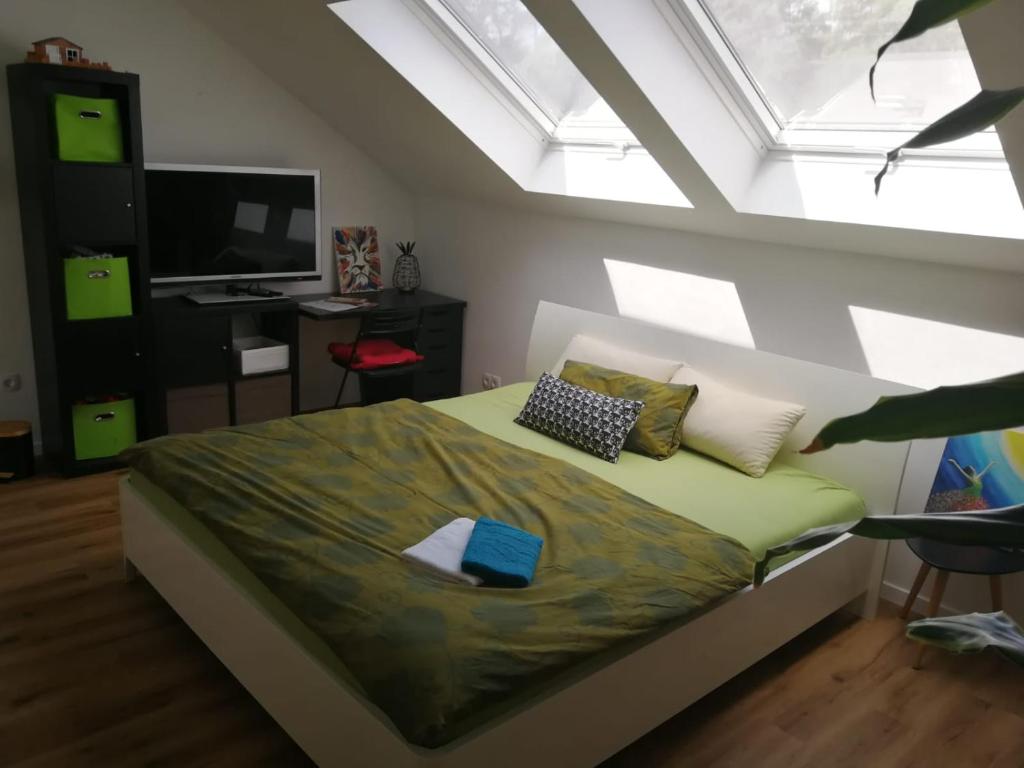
<point x="442" y="550"/>
<point x="503" y="556"/>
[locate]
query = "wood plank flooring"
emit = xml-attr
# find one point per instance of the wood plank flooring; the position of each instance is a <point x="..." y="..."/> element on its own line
<point x="96" y="672"/>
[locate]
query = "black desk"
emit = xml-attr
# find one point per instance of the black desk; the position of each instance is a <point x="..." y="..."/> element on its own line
<point x="197" y="379"/>
<point x="440" y="337"/>
<point x="389" y="298"/>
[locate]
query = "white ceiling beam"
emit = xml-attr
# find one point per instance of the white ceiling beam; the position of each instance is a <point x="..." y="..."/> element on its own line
<point x="614" y="73"/>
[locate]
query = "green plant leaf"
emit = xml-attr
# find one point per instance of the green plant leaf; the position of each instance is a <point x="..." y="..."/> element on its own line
<point x="991" y="527"/>
<point x="971" y="633"/>
<point x="925" y="15"/>
<point x="942" y="412"/>
<point x="984" y="110"/>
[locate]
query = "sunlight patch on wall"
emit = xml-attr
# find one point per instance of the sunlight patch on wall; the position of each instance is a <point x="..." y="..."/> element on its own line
<point x="694" y="304"/>
<point x="927" y="353"/>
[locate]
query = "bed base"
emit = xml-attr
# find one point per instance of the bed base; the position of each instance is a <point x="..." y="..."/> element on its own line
<point x="579" y="725"/>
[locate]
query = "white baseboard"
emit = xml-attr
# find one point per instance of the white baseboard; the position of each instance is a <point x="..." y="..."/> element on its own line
<point x="897" y="594"/>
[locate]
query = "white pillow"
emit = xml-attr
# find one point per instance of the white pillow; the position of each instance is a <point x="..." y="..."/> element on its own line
<point x="587" y="349"/>
<point x="740" y="429"/>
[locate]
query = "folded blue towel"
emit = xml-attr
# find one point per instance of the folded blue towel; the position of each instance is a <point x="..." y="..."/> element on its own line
<point x="501" y="555"/>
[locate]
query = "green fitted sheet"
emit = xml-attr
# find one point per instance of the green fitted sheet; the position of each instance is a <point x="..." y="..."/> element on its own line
<point x="759" y="512"/>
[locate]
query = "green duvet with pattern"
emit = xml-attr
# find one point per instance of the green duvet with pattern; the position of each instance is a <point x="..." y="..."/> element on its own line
<point x="319" y="508"/>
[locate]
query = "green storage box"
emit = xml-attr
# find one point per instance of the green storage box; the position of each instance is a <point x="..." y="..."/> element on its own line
<point x="88" y="130"/>
<point x="103" y="429"/>
<point x="97" y="288"/>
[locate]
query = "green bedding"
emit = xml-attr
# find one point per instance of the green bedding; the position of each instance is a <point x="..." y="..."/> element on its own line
<point x="319" y="507"/>
<point x="759" y="512"/>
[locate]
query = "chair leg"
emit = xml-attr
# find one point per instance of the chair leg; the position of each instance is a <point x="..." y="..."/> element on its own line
<point x="995" y="585"/>
<point x="337" y="400"/>
<point x="938" y="589"/>
<point x="922" y="574"/>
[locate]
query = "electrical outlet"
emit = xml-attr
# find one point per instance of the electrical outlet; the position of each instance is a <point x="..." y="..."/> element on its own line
<point x="11" y="383"/>
<point x="491" y="381"/>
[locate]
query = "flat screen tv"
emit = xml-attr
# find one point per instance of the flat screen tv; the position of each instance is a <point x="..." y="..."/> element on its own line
<point x="218" y="224"/>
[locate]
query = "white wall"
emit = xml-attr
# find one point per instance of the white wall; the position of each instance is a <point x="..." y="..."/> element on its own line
<point x="201" y="102"/>
<point x="795" y="301"/>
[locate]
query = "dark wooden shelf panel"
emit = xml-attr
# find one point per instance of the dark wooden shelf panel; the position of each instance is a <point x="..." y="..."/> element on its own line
<point x="98" y="245"/>
<point x="103" y="323"/>
<point x="289" y="371"/>
<point x="77" y="467"/>
<point x="83" y="164"/>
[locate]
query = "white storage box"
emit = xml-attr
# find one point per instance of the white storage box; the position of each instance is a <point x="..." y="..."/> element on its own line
<point x="258" y="354"/>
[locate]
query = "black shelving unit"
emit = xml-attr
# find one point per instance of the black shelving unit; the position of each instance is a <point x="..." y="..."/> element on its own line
<point x="194" y="349"/>
<point x="101" y="206"/>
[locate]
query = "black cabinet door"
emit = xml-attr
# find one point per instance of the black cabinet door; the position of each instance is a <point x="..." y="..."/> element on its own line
<point x="95" y="203"/>
<point x="194" y="348"/>
<point x="102" y="357"/>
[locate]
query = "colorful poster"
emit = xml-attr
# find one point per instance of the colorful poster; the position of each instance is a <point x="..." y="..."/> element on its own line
<point x="980" y="471"/>
<point x="358" y="259"/>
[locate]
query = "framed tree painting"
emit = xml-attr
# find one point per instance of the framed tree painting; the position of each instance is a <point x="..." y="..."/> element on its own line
<point x="979" y="471"/>
<point x="357" y="256"/>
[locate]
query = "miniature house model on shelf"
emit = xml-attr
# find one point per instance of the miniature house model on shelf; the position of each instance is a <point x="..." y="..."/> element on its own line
<point x="60" y="50"/>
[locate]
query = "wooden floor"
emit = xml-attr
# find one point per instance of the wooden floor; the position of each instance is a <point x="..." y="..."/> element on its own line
<point x="96" y="672"/>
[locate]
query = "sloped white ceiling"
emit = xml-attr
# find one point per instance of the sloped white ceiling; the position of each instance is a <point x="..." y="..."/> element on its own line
<point x="306" y="49"/>
<point x="302" y="45"/>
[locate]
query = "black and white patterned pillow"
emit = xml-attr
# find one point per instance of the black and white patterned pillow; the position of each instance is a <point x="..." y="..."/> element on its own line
<point x="580" y="417"/>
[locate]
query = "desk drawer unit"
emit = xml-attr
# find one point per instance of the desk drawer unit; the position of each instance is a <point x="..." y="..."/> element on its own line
<point x="440" y="342"/>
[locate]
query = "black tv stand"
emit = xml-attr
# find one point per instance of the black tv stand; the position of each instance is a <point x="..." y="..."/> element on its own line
<point x="199" y="384"/>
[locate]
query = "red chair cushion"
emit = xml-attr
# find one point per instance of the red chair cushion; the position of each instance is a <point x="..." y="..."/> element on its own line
<point x="373" y="353"/>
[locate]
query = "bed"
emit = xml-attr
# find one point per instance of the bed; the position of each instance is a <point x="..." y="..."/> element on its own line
<point x="574" y="702"/>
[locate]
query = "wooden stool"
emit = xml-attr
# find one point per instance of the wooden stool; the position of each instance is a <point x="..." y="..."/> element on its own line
<point x="17" y="459"/>
<point x="951" y="558"/>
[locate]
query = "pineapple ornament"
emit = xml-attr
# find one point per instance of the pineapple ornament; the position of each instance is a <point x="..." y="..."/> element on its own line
<point x="406" y="277"/>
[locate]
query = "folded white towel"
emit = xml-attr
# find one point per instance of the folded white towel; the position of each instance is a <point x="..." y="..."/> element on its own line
<point x="442" y="550"/>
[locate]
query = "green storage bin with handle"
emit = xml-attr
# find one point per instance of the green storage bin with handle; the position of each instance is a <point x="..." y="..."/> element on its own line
<point x="88" y="129"/>
<point x="103" y="429"/>
<point x="97" y="288"/>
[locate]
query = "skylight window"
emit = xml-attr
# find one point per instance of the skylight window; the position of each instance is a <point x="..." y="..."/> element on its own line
<point x="805" y="63"/>
<point x="494" y="72"/>
<point x="544" y="80"/>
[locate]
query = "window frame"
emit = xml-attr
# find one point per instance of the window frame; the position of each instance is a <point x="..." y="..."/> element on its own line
<point x="616" y="139"/>
<point x="696" y="27"/>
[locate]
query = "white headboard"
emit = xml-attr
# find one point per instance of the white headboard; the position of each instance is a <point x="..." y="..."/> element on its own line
<point x="874" y="470"/>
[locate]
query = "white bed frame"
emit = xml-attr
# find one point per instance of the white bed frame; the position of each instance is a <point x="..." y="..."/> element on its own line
<point x="583" y="721"/>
